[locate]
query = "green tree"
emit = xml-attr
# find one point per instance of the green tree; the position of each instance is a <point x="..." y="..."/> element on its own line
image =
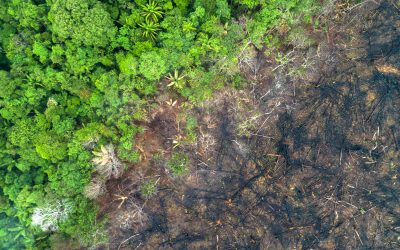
<point x="182" y="5"/>
<point x="151" y="11"/>
<point x="150" y="29"/>
<point x="152" y="66"/>
<point x="41" y="51"/>
<point x="83" y="21"/>
<point x="249" y="3"/>
<point x="223" y="10"/>
<point x="127" y="64"/>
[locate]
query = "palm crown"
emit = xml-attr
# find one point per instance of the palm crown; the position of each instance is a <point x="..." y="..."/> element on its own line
<point x="152" y="10"/>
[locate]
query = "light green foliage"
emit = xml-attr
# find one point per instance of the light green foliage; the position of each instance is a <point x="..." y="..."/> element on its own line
<point x="178" y="164"/>
<point x="223" y="10"/>
<point x="22" y="133"/>
<point x="152" y="65"/>
<point x="127" y="64"/>
<point x="148" y="188"/>
<point x="27" y="14"/>
<point x="274" y="13"/>
<point x="41" y="51"/>
<point x="123" y="38"/>
<point x="152" y="11"/>
<point x="208" y="5"/>
<point x="191" y="126"/>
<point x="249" y="3"/>
<point x="81" y="59"/>
<point x="6" y="84"/>
<point x="83" y="21"/>
<point x="150" y="29"/>
<point x="50" y="147"/>
<point x="132" y="19"/>
<point x="57" y="53"/>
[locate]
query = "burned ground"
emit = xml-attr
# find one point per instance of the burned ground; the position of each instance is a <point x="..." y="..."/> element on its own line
<point x="316" y="168"/>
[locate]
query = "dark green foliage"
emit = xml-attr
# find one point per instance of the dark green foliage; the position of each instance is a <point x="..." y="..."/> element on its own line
<point x="77" y="74"/>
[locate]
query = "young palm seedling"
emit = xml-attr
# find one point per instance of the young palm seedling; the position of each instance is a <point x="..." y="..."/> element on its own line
<point x="172" y="103"/>
<point x="176" y="80"/>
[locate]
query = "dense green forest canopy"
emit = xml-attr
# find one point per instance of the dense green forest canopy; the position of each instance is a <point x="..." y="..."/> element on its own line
<point x="77" y="75"/>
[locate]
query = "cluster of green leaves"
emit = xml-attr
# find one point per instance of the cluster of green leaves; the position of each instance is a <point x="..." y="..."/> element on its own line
<point x="190" y="130"/>
<point x="76" y="74"/>
<point x="178" y="164"/>
<point x="148" y="188"/>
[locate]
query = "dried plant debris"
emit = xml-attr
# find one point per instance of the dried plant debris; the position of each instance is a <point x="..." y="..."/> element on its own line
<point x="107" y="163"/>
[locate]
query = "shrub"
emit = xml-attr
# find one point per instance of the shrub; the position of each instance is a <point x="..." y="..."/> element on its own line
<point x="178" y="164"/>
<point x="191" y="125"/>
<point x="148" y="188"/>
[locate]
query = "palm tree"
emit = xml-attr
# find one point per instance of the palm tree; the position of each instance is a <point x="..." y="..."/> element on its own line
<point x="94" y="189"/>
<point x="150" y="29"/>
<point x="176" y="80"/>
<point x="151" y="10"/>
<point x="107" y="163"/>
